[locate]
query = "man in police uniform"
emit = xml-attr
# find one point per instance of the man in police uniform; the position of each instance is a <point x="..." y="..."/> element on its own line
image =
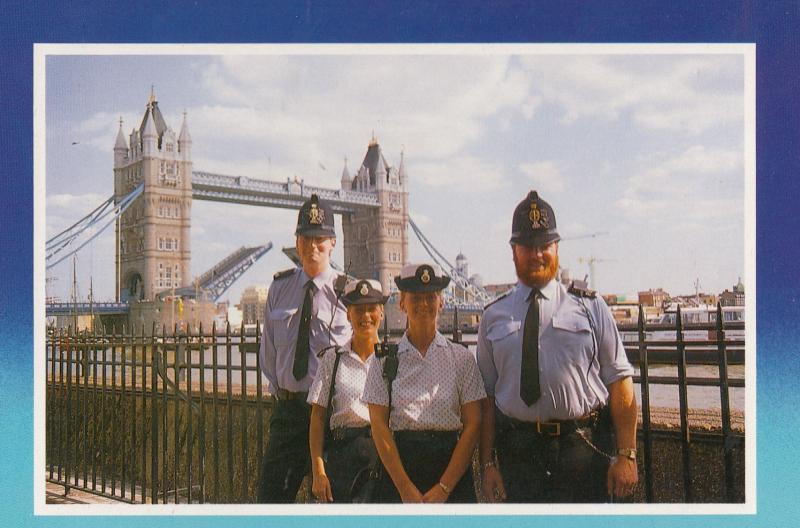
<point x="559" y="423"/>
<point x="303" y="316"/>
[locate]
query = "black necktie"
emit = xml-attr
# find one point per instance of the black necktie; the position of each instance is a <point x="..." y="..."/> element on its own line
<point x="529" y="372"/>
<point x="303" y="348"/>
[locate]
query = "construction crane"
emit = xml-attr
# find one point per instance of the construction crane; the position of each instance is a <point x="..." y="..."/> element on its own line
<point x="591" y="262"/>
<point x="588" y="235"/>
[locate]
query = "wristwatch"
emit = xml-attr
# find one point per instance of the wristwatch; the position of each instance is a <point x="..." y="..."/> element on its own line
<point x="627" y="452"/>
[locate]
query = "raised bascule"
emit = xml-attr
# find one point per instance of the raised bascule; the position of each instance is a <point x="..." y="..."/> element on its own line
<point x="155" y="184"/>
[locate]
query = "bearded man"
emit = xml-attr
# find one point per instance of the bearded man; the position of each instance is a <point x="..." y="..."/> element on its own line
<point x="559" y="423"/>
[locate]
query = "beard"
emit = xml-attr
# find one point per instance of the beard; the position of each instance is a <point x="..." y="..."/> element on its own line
<point x="533" y="277"/>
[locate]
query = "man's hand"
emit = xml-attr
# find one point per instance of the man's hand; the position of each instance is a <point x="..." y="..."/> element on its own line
<point x="492" y="485"/>
<point x="321" y="488"/>
<point x="622" y="477"/>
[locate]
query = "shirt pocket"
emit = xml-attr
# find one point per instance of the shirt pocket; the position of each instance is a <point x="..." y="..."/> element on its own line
<point x="502" y="330"/>
<point x="339" y="324"/>
<point x="281" y="322"/>
<point x="573" y="336"/>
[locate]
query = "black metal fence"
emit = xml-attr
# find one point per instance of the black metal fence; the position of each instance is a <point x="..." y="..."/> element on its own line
<point x="182" y="417"/>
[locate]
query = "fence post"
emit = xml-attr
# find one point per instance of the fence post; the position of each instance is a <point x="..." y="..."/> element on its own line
<point x="153" y="421"/>
<point x="202" y="421"/>
<point x="644" y="374"/>
<point x="243" y="411"/>
<point x="456" y="329"/>
<point x="684" y="410"/>
<point x="725" y="405"/>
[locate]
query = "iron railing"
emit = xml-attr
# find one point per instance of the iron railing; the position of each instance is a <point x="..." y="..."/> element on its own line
<point x="171" y="417"/>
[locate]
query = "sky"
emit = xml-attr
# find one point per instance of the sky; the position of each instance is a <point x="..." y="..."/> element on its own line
<point x="647" y="149"/>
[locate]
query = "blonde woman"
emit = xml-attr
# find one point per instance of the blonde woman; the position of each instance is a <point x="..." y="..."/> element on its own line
<point x="343" y="467"/>
<point x="426" y="421"/>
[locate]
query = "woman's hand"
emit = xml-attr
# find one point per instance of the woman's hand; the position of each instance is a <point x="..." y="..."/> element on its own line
<point x="410" y="493"/>
<point x="492" y="485"/>
<point x="321" y="488"/>
<point x="435" y="495"/>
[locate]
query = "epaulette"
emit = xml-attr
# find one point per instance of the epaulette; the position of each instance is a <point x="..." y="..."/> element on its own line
<point x="283" y="274"/>
<point x="579" y="288"/>
<point x="340" y="282"/>
<point x="322" y="352"/>
<point x="506" y="294"/>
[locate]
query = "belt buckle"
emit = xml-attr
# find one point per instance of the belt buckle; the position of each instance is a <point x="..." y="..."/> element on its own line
<point x="557" y="428"/>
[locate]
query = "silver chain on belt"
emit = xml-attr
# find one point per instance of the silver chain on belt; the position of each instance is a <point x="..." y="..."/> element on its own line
<point x="582" y="433"/>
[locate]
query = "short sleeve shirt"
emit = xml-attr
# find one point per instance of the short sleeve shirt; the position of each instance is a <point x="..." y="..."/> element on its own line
<point x="429" y="390"/>
<point x="580" y="353"/>
<point x="329" y="326"/>
<point x="351" y="375"/>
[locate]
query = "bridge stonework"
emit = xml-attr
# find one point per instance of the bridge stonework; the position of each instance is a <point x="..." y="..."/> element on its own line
<point x="153" y="252"/>
<point x="376" y="239"/>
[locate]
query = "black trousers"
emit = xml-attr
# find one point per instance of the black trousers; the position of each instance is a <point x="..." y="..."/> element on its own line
<point x="553" y="469"/>
<point x="350" y="463"/>
<point x="425" y="456"/>
<point x="286" y="461"/>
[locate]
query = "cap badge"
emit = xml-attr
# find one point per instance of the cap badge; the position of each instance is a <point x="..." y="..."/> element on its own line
<point x="425" y="277"/>
<point x="315" y="215"/>
<point x="364" y="289"/>
<point x="535" y="216"/>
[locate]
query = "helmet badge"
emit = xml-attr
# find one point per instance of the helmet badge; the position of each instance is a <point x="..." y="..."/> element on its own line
<point x="425" y="277"/>
<point x="315" y="215"/>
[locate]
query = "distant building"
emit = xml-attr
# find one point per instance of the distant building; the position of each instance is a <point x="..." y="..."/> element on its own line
<point x="657" y="297"/>
<point x="498" y="289"/>
<point x="733" y="297"/>
<point x="253" y="304"/>
<point x="462" y="270"/>
<point x="462" y="265"/>
<point x="624" y="307"/>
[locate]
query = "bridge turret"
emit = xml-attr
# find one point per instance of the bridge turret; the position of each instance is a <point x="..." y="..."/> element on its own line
<point x="149" y="136"/>
<point x="185" y="140"/>
<point x="347" y="182"/>
<point x="401" y="170"/>
<point x="380" y="170"/>
<point x="120" y="147"/>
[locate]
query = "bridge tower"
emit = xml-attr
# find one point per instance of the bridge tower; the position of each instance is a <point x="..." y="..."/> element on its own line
<point x="376" y="239"/>
<point x="153" y="240"/>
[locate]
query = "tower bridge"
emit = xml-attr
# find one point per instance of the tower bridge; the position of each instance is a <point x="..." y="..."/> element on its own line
<point x="288" y="195"/>
<point x="153" y="253"/>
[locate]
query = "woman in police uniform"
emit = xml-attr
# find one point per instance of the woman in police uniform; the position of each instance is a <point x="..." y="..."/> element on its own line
<point x="426" y="435"/>
<point x="350" y="459"/>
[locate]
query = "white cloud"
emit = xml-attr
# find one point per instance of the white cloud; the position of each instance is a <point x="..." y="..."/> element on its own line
<point x="678" y="93"/>
<point x="699" y="185"/>
<point x="545" y="176"/>
<point x="75" y="202"/>
<point x="468" y="173"/>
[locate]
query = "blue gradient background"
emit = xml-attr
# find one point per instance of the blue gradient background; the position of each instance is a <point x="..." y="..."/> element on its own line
<point x="773" y="26"/>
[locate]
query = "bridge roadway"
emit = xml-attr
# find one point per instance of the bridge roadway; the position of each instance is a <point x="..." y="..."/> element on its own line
<point x="286" y="195"/>
<point x="83" y="308"/>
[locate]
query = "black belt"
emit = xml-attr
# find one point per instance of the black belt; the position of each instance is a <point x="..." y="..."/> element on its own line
<point x="348" y="433"/>
<point x="285" y="395"/>
<point x="411" y="434"/>
<point x="550" y="428"/>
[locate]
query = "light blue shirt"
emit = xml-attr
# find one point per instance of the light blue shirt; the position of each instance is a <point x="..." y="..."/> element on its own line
<point x="573" y="373"/>
<point x="279" y="339"/>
